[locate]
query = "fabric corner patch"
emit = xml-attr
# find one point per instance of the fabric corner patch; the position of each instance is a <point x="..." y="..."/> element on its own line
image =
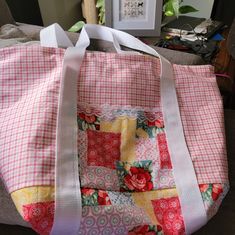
<point x="40" y="216"/>
<point x="168" y="214"/>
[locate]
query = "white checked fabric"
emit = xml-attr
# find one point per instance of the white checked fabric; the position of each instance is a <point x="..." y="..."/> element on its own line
<point x="202" y="116"/>
<point x="29" y="85"/>
<point x="30" y="79"/>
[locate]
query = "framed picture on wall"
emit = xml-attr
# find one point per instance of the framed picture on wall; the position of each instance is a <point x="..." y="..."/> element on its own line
<point x="137" y="17"/>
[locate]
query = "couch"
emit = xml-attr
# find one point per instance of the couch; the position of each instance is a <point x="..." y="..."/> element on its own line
<point x="12" y="33"/>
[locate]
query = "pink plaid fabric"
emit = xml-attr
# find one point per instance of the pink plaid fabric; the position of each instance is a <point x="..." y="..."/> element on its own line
<point x="202" y="116"/>
<point x="29" y="84"/>
<point x="122" y="80"/>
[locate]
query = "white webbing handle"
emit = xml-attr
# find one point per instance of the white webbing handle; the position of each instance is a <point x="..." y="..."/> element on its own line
<point x="118" y="38"/>
<point x="54" y="36"/>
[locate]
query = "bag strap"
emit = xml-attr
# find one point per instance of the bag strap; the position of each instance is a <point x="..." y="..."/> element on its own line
<point x="54" y="36"/>
<point x="192" y="206"/>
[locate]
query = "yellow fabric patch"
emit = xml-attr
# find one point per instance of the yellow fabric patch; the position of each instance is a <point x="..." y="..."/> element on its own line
<point x="32" y="195"/>
<point x="127" y="128"/>
<point x="143" y="200"/>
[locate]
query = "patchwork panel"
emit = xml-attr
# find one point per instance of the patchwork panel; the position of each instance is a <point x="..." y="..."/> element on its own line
<point x="100" y="148"/>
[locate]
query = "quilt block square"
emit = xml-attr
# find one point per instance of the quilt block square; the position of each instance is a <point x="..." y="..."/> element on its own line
<point x="103" y="148"/>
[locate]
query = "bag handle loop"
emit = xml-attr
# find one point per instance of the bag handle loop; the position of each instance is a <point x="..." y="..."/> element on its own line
<point x="118" y="38"/>
<point x="54" y="36"/>
<point x="121" y="38"/>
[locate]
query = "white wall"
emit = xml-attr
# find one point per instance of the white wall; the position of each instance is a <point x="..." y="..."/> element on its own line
<point x="204" y="7"/>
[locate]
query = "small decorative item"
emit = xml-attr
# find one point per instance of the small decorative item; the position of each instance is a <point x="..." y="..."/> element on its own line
<point x="138" y="17"/>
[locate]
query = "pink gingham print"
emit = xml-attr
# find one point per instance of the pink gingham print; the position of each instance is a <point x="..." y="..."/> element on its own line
<point x="202" y="116"/>
<point x="114" y="79"/>
<point x="30" y="78"/>
<point x="29" y="85"/>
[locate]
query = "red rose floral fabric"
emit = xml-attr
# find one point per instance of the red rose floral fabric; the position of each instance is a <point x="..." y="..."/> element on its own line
<point x="135" y="176"/>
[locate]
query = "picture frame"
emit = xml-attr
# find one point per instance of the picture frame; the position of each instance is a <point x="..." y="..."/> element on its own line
<point x="137" y="17"/>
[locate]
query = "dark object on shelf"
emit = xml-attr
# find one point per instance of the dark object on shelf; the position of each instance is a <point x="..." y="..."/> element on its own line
<point x="25" y="11"/>
<point x="188" y="24"/>
<point x="205" y="49"/>
<point x="185" y="23"/>
<point x="223" y="10"/>
<point x="213" y="28"/>
<point x="5" y="16"/>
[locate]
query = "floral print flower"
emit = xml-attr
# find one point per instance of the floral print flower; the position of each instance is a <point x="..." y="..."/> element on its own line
<point x="203" y="187"/>
<point x="87" y="191"/>
<point x="210" y="192"/>
<point x="157" y="123"/>
<point x="138" y="180"/>
<point x="103" y="198"/>
<point x="216" y="191"/>
<point x="94" y="197"/>
<point x="88" y="122"/>
<point x="135" y="176"/>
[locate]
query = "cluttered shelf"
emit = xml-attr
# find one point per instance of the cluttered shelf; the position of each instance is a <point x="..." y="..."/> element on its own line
<point x="193" y="35"/>
<point x="208" y="39"/>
